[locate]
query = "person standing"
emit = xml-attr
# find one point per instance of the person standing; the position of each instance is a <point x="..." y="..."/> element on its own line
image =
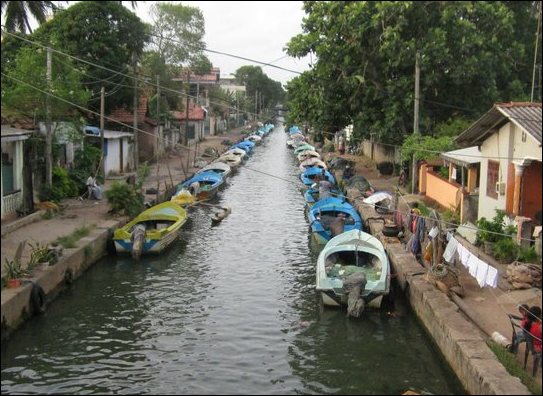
<point x="341" y="145"/>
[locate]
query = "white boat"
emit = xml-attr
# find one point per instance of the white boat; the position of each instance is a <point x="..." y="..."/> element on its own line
<point x="219" y="167"/>
<point x="350" y="258"/>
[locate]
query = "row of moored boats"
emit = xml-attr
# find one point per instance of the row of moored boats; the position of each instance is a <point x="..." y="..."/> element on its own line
<point x="352" y="268"/>
<point x="157" y="227"/>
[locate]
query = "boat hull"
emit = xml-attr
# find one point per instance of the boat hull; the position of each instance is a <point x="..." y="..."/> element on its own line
<point x="161" y="226"/>
<point x="349" y="253"/>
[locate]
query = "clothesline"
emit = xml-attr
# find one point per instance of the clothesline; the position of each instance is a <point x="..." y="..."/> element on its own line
<point x="484" y="273"/>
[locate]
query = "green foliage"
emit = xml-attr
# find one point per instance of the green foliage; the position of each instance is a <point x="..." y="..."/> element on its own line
<point x="451" y="217"/>
<point x="143" y="172"/>
<point x="13" y="269"/>
<point x="270" y="92"/>
<point x="102" y="32"/>
<point x="124" y="198"/>
<point x="495" y="230"/>
<point x="39" y="253"/>
<point x="366" y="54"/>
<point x="529" y="255"/>
<point x="86" y="161"/>
<point x="70" y="241"/>
<point x="514" y="367"/>
<point x="25" y="85"/>
<point x="426" y="147"/>
<point x="505" y="250"/>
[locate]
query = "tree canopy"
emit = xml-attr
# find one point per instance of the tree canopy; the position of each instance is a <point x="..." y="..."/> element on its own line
<point x="256" y="80"/>
<point x="103" y="34"/>
<point x="16" y="14"/>
<point x="473" y="54"/>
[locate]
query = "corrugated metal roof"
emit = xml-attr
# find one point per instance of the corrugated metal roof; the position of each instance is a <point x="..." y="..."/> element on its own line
<point x="525" y="115"/>
<point x="465" y="156"/>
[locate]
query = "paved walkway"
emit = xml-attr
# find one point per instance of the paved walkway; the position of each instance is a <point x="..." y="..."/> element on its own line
<point x="78" y="213"/>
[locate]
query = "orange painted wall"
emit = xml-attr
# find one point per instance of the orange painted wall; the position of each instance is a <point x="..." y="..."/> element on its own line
<point x="442" y="191"/>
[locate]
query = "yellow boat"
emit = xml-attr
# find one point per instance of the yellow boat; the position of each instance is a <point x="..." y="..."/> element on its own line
<point x="151" y="231"/>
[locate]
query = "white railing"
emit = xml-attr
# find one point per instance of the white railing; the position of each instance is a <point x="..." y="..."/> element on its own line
<point x="11" y="202"/>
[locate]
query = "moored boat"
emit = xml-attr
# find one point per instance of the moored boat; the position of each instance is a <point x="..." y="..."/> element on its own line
<point x="151" y="231"/>
<point x="203" y="185"/>
<point x="353" y="258"/>
<point x="332" y="216"/>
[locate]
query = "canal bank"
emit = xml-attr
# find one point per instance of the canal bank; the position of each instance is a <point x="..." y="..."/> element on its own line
<point x="43" y="284"/>
<point x="228" y="309"/>
<point x="463" y="345"/>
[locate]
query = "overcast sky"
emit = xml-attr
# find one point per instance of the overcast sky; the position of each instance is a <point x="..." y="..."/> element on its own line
<point x="256" y="30"/>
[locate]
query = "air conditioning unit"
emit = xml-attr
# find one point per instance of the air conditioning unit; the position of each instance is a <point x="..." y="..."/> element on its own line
<point x="500" y="188"/>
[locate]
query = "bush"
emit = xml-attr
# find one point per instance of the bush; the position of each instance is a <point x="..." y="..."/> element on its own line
<point x="124" y="198"/>
<point x="506" y="250"/>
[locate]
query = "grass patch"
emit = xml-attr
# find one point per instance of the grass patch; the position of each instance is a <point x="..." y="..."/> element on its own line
<point x="70" y="241"/>
<point x="513" y="367"/>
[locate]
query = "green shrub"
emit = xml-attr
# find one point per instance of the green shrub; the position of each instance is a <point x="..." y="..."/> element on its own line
<point x="529" y="255"/>
<point x="124" y="198"/>
<point x="506" y="250"/>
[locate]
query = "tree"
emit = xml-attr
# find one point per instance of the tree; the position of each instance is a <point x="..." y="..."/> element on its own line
<point x="176" y="40"/>
<point x="256" y="80"/>
<point x="178" y="33"/>
<point x="16" y="14"/>
<point x="26" y="90"/>
<point x="471" y="58"/>
<point x="104" y="35"/>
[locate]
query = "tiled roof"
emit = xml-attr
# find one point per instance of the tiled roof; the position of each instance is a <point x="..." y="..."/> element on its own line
<point x="196" y="113"/>
<point x="125" y="116"/>
<point x="526" y="115"/>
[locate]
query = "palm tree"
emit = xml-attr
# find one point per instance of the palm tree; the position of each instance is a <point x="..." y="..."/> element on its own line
<point x="16" y="14"/>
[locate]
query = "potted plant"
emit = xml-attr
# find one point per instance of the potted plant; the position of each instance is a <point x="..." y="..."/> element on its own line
<point x="14" y="272"/>
<point x="40" y="254"/>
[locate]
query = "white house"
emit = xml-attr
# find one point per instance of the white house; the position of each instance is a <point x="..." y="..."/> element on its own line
<point x="508" y="137"/>
<point x="12" y="169"/>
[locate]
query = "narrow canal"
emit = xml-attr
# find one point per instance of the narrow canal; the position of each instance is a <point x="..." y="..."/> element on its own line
<point x="229" y="309"/>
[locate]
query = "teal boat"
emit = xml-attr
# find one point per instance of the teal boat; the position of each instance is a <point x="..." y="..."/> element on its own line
<point x="353" y="257"/>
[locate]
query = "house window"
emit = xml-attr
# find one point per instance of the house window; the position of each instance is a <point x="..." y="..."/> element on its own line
<point x="492" y="178"/>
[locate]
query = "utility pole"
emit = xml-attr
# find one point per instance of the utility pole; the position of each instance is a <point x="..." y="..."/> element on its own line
<point x="159" y="135"/>
<point x="535" y="54"/>
<point x="416" y="119"/>
<point x="102" y="111"/>
<point x="135" y="102"/>
<point x="187" y="111"/>
<point x="256" y="103"/>
<point x="48" y="128"/>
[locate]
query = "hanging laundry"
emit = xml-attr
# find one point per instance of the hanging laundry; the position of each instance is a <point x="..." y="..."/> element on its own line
<point x="492" y="277"/>
<point x="450" y="250"/>
<point x="482" y="270"/>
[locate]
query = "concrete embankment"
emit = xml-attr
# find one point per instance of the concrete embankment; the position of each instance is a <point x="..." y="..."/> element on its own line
<point x="48" y="280"/>
<point x="460" y="341"/>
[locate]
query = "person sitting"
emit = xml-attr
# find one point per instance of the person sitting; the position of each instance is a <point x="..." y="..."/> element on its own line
<point x="519" y="335"/>
<point x="533" y="326"/>
<point x="325" y="188"/>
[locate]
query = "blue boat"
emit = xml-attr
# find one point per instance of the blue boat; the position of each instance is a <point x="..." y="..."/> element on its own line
<point x="311" y="195"/>
<point x="331" y="217"/>
<point x="205" y="184"/>
<point x="311" y="175"/>
<point x="246" y="145"/>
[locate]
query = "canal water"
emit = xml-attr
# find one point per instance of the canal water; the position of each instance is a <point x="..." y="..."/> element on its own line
<point x="229" y="309"/>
